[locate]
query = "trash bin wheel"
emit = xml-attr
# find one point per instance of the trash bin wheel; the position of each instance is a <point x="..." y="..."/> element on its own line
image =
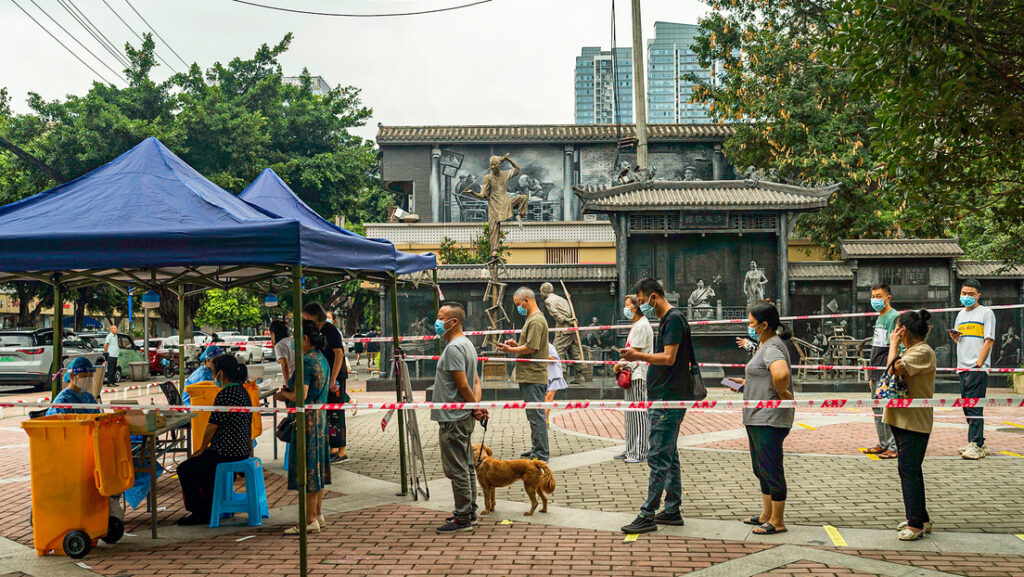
<point x="115" y="530"/>
<point x="77" y="544"/>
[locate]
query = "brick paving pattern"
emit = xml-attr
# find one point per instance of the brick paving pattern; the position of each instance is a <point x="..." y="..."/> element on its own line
<point x="811" y="569"/>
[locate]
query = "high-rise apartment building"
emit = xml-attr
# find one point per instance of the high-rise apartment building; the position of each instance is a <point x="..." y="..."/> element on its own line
<point x="669" y="58"/>
<point x="598" y="94"/>
<point x="318" y="85"/>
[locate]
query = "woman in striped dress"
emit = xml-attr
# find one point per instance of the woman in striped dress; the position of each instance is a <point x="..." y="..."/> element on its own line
<point x="641" y="338"/>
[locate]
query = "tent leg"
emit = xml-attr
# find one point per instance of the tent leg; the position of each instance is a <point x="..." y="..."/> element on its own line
<point x="182" y="339"/>
<point x="58" y="333"/>
<point x="300" y="416"/>
<point x="437" y="309"/>
<point x="398" y="385"/>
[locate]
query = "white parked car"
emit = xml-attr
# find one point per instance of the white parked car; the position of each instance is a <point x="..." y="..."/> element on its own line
<point x="245" y="352"/>
<point x="26" y="355"/>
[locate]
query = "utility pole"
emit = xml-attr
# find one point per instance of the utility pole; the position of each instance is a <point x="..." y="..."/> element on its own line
<point x="639" y="99"/>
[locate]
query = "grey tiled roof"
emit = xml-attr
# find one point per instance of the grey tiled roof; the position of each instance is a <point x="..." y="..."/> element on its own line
<point x="556" y="133"/>
<point x="529" y="272"/>
<point x="901" y="247"/>
<point x="820" y="270"/>
<point x="719" y="194"/>
<point x="988" y="269"/>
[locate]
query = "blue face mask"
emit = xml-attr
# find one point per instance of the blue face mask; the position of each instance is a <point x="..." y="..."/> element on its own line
<point x="647" y="308"/>
<point x="627" y="312"/>
<point x="521" y="310"/>
<point x="878" y="304"/>
<point x="752" y="333"/>
<point x="439" y="327"/>
<point x="968" y="301"/>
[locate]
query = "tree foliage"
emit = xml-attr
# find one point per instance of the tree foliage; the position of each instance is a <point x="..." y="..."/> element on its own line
<point x="236" y="308"/>
<point x="793" y="113"/>
<point x="948" y="80"/>
<point x="478" y="253"/>
<point x="229" y="122"/>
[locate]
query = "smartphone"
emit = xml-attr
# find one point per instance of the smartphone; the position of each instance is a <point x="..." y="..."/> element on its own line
<point x="727" y="382"/>
<point x="953" y="332"/>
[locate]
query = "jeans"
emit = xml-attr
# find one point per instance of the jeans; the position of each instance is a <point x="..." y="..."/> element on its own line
<point x="766" y="457"/>
<point x="912" y="446"/>
<point x="974" y="385"/>
<point x="197" y="476"/>
<point x="663" y="459"/>
<point x="457" y="463"/>
<point x="534" y="393"/>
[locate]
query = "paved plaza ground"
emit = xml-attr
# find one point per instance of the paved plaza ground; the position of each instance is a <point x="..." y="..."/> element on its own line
<point x="842" y="509"/>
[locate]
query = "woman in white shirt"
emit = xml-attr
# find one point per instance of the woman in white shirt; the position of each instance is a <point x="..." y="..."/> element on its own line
<point x="284" y="351"/>
<point x="641" y="339"/>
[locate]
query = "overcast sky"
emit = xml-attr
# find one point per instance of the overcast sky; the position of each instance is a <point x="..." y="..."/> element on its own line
<point x="503" y="62"/>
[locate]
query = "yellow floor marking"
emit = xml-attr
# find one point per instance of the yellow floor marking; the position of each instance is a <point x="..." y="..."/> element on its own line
<point x="630" y="538"/>
<point x="869" y="455"/>
<point x="806" y="426"/>
<point x="505" y="522"/>
<point x="944" y="409"/>
<point x="1013" y="424"/>
<point x="833" y="533"/>
<point x="1012" y="454"/>
<point x="1020" y="536"/>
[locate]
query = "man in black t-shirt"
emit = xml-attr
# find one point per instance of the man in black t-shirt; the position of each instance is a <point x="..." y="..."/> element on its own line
<point x="334" y="351"/>
<point x="668" y="379"/>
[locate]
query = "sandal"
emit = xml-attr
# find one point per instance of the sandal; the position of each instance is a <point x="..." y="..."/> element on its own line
<point x="874" y="450"/>
<point x="753" y="520"/>
<point x="889" y="454"/>
<point x="769" y="529"/>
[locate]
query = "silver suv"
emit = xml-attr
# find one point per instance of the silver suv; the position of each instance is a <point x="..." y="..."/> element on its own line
<point x="26" y="355"/>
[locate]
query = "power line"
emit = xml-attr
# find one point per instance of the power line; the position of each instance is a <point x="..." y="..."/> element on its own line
<point x="128" y="2"/>
<point x="97" y="36"/>
<point x="129" y="26"/>
<point x="435" y="10"/>
<point x="73" y="37"/>
<point x="77" y="57"/>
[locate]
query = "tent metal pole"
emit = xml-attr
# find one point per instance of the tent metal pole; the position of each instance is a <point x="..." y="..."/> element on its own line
<point x="398" y="384"/>
<point x="300" y="416"/>
<point x="182" y="339"/>
<point x="437" y="308"/>
<point x="58" y="333"/>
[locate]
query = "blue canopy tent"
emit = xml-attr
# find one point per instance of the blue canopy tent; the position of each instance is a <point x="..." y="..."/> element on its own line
<point x="147" y="218"/>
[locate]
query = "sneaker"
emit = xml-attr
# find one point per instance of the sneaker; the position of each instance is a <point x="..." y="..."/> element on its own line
<point x="455" y="526"/>
<point x="641" y="524"/>
<point x="904" y="525"/>
<point x="527" y="455"/>
<point x="338" y="459"/>
<point x="472" y="519"/>
<point x="620" y="456"/>
<point x="973" y="452"/>
<point x="666" y="518"/>
<point x="636" y="460"/>
<point x="984" y="448"/>
<point x="961" y="450"/>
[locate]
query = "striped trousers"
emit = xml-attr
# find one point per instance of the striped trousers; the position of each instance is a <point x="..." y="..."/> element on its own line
<point x="638" y="425"/>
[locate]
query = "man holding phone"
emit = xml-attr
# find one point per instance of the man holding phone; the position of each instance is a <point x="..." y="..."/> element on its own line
<point x="881" y="302"/>
<point x="975" y="335"/>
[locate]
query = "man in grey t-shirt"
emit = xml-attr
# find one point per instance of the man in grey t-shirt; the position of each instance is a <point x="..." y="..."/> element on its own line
<point x="456" y="381"/>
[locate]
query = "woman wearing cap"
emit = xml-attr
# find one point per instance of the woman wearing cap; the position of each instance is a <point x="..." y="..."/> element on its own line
<point x="79" y="368"/>
<point x="204" y="373"/>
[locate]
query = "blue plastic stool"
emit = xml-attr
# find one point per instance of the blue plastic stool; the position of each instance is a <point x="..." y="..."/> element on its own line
<point x="226" y="501"/>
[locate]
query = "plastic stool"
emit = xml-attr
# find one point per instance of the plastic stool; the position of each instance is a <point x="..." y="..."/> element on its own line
<point x="226" y="501"/>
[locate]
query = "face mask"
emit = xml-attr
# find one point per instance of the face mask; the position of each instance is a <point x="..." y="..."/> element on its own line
<point x="627" y="312"/>
<point x="521" y="310"/>
<point x="439" y="327"/>
<point x="967" y="301"/>
<point x="878" y="304"/>
<point x="647" y="308"/>
<point x="752" y="333"/>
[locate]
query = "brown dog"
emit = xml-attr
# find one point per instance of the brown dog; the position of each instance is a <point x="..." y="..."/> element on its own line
<point x="492" y="473"/>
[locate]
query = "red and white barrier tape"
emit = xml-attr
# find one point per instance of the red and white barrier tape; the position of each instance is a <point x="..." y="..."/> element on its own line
<point x="692" y="323"/>
<point x="1014" y="402"/>
<point x="719" y="365"/>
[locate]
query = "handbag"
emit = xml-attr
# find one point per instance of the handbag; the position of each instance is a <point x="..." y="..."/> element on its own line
<point x="700" y="392"/>
<point x="625" y="378"/>
<point x="891" y="385"/>
<point x="286" y="429"/>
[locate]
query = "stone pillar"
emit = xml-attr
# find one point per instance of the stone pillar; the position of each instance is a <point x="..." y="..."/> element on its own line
<point x="717" y="162"/>
<point x="783" y="260"/>
<point x="435" y="184"/>
<point x="567" y="182"/>
<point x="621" y="225"/>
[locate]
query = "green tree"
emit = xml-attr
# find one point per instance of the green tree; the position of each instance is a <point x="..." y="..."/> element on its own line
<point x="793" y="112"/>
<point x="478" y="253"/>
<point x="236" y="308"/>
<point x="946" y="79"/>
<point x="229" y="122"/>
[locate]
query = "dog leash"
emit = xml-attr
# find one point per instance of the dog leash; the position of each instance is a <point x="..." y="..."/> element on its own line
<point x="480" y="458"/>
